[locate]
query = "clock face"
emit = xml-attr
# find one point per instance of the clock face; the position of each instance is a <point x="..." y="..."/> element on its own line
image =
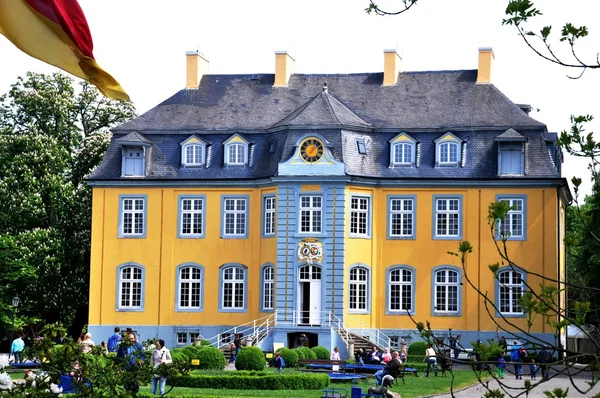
<point x="311" y="150"/>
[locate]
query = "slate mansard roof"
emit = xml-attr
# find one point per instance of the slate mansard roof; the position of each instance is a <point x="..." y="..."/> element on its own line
<point x="424" y="105"/>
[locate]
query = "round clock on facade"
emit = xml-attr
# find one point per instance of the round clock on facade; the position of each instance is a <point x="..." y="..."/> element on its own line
<point x="311" y="150"/>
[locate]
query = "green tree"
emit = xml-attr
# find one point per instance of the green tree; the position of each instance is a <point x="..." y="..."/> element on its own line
<point x="52" y="134"/>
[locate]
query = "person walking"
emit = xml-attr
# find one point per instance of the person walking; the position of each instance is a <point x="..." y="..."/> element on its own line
<point x="132" y="354"/>
<point x="335" y="354"/>
<point x="545" y="357"/>
<point x="279" y="362"/>
<point x="431" y="359"/>
<point x="515" y="358"/>
<point x="113" y="340"/>
<point x="16" y="349"/>
<point x="501" y="366"/>
<point x="161" y="355"/>
<point x="237" y="340"/>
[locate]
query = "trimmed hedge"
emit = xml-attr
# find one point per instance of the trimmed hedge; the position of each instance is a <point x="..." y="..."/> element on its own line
<point x="321" y="352"/>
<point x="268" y="381"/>
<point x="300" y="353"/>
<point x="251" y="358"/>
<point x="417" y="348"/>
<point x="210" y="358"/>
<point x="308" y="353"/>
<point x="290" y="357"/>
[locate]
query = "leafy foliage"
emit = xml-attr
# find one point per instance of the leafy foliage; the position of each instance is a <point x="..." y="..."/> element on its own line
<point x="417" y="348"/>
<point x="321" y="352"/>
<point x="250" y="358"/>
<point x="51" y="137"/>
<point x="289" y="356"/>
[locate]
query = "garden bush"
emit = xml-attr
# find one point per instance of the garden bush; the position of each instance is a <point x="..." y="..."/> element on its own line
<point x="300" y="353"/>
<point x="268" y="381"/>
<point x="251" y="358"/>
<point x="210" y="358"/>
<point x="417" y="348"/>
<point x="322" y="352"/>
<point x="308" y="353"/>
<point x="290" y="357"/>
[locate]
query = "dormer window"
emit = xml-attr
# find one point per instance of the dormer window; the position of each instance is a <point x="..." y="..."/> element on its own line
<point x="134" y="164"/>
<point x="193" y="152"/>
<point x="511" y="153"/>
<point x="403" y="150"/>
<point x="448" y="151"/>
<point x="236" y="151"/>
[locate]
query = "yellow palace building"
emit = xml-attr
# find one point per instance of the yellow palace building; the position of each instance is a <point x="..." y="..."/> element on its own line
<point x="278" y="204"/>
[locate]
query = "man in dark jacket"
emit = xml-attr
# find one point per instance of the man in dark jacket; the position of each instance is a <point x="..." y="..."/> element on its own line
<point x="392" y="368"/>
<point x="545" y="357"/>
<point x="132" y="354"/>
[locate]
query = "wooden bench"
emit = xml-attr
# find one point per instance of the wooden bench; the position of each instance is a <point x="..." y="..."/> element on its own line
<point x="404" y="370"/>
<point x="321" y="364"/>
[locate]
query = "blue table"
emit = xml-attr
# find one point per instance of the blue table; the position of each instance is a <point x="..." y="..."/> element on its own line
<point x="334" y="376"/>
<point x="364" y="368"/>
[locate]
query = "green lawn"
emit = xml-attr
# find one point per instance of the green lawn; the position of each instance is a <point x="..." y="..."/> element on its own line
<point x="414" y="387"/>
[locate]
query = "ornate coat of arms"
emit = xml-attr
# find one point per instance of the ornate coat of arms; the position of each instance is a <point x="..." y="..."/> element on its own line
<point x="310" y="250"/>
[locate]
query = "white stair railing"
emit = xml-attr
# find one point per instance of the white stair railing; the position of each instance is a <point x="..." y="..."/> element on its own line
<point x="252" y="331"/>
<point x="366" y="331"/>
<point x="338" y="325"/>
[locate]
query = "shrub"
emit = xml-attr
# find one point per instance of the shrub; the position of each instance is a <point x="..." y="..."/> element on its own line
<point x="300" y="353"/>
<point x="250" y="358"/>
<point x="308" y="353"/>
<point x="323" y="353"/>
<point x="417" y="348"/>
<point x="210" y="358"/>
<point x="290" y="357"/>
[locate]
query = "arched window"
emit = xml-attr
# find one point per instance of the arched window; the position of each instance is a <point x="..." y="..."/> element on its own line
<point x="194" y="154"/>
<point x="510" y="287"/>
<point x="401" y="290"/>
<point x="130" y="287"/>
<point x="236" y="154"/>
<point x="233" y="288"/>
<point x="358" y="292"/>
<point x="190" y="286"/>
<point x="267" y="288"/>
<point x="447" y="292"/>
<point x="403" y="153"/>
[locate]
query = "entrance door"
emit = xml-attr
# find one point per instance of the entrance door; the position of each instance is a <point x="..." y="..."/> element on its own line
<point x="309" y="295"/>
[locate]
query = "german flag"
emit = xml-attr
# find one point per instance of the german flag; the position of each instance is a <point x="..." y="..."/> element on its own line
<point x="56" y="32"/>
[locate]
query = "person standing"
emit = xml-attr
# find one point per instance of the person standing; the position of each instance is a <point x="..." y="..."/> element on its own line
<point x="161" y="355"/>
<point x="391" y="369"/>
<point x="503" y="344"/>
<point x="132" y="354"/>
<point x="501" y="367"/>
<point x="16" y="349"/>
<point x="457" y="347"/>
<point x="515" y="358"/>
<point x="335" y="354"/>
<point x="232" y="350"/>
<point x="237" y="340"/>
<point x="430" y="358"/>
<point x="303" y="341"/>
<point x="113" y="340"/>
<point x="279" y="362"/>
<point x="545" y="357"/>
<point x="87" y="343"/>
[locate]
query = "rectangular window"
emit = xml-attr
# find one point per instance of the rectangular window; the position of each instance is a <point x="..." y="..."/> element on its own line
<point x="194" y="336"/>
<point x="131" y="287"/>
<point x="402" y="217"/>
<point x="191" y="221"/>
<point x="513" y="226"/>
<point x="233" y="288"/>
<point x="447" y="217"/>
<point x="182" y="338"/>
<point x="236" y="154"/>
<point x="511" y="290"/>
<point x="357" y="297"/>
<point x="132" y="217"/>
<point x="235" y="216"/>
<point x="268" y="293"/>
<point x="310" y="214"/>
<point x="359" y="216"/>
<point x="190" y="288"/>
<point x="511" y="158"/>
<point x="269" y="216"/>
<point x="446" y="292"/>
<point x="400" y="285"/>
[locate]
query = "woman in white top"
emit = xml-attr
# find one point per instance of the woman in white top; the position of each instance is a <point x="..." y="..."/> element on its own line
<point x="87" y="343"/>
<point x="386" y="357"/>
<point x="160" y="355"/>
<point x="335" y="354"/>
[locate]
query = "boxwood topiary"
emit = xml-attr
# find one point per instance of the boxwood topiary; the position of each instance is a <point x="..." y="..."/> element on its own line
<point x="251" y="358"/>
<point x="321" y="352"/>
<point x="210" y="358"/>
<point x="290" y="357"/>
<point x="308" y="353"/>
<point x="300" y="353"/>
<point x="417" y="348"/>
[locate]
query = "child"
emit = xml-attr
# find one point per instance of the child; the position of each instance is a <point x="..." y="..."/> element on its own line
<point x="532" y="369"/>
<point x="279" y="362"/>
<point x="232" y="353"/>
<point x="501" y="366"/>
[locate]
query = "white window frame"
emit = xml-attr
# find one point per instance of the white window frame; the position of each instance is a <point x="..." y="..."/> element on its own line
<point x="360" y="216"/>
<point x="512" y="218"/>
<point x="269" y="213"/>
<point x="132" y="217"/>
<point x="310" y="215"/>
<point x="130" y="296"/>
<point x="197" y="154"/>
<point x="397" y="300"/>
<point x="402" y="215"/>
<point x="446" y="284"/>
<point x="358" y="289"/>
<point x="235" y="221"/>
<point x="511" y="147"/>
<point x="185" y="287"/>
<point x="268" y="288"/>
<point x="449" y="215"/>
<point x="448" y="159"/>
<point x="236" y="154"/>
<point x="403" y="153"/>
<point x="510" y="291"/>
<point x="196" y="216"/>
<point x="233" y="288"/>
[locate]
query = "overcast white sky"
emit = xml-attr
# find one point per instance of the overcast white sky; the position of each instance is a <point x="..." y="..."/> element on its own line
<point x="142" y="43"/>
